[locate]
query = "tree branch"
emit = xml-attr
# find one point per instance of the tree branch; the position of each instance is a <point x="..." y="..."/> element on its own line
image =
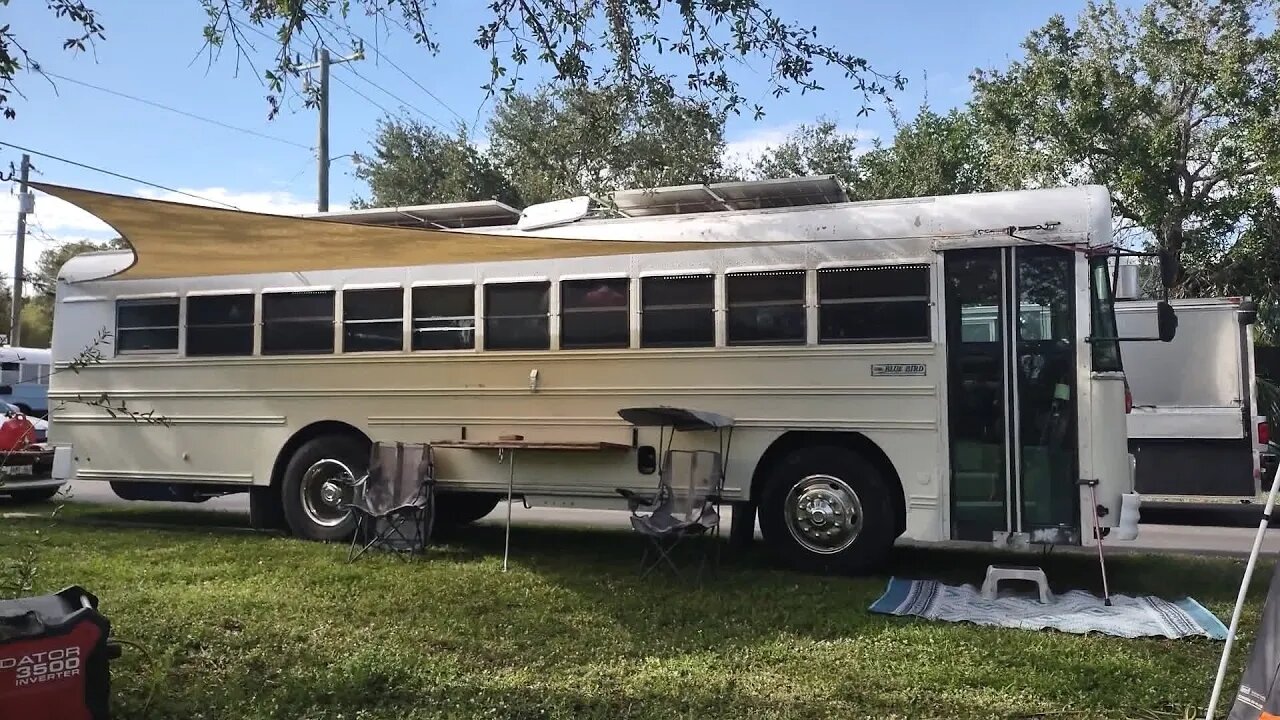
<point x="1213" y="180"/>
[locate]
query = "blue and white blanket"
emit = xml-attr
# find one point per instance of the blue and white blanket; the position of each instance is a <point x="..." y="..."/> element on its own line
<point x="1075" y="612"/>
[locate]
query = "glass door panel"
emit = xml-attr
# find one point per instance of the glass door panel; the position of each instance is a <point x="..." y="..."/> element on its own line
<point x="977" y="393"/>
<point x="1046" y="388"/>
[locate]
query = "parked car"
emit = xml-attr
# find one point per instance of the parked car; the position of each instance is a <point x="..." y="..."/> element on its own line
<point x="27" y="476"/>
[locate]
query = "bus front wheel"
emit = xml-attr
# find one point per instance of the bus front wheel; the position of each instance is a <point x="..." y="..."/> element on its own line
<point x="317" y="481"/>
<point x="827" y="509"/>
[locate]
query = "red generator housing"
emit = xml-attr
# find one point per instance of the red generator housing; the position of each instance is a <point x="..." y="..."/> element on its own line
<point x="54" y="652"/>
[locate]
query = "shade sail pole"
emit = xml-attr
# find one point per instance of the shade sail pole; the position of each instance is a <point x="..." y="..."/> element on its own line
<point x="1244" y="589"/>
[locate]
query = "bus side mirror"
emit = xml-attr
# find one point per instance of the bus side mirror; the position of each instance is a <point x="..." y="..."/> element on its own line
<point x="1247" y="314"/>
<point x="1170" y="269"/>
<point x="1166" y="321"/>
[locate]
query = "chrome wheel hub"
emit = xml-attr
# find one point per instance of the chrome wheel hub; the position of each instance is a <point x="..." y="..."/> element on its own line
<point x="823" y="514"/>
<point x="325" y="486"/>
<point x="330" y="493"/>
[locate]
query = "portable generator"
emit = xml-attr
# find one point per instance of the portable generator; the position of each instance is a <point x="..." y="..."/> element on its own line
<point x="54" y="651"/>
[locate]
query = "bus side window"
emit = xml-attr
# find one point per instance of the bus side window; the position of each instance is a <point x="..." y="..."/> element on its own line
<point x="595" y="313"/>
<point x="677" y="311"/>
<point x="147" y="325"/>
<point x="9" y="373"/>
<point x="298" y="323"/>
<point x="873" y="304"/>
<point x="220" y="324"/>
<point x="516" y="316"/>
<point x="444" y="317"/>
<point x="373" y="319"/>
<point x="29" y="373"/>
<point x="765" y="308"/>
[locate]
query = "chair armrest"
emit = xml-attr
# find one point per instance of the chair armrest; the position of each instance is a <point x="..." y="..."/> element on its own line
<point x="357" y="487"/>
<point x="634" y="501"/>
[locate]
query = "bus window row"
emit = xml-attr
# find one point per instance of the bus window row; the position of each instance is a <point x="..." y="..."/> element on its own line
<point x="21" y="373"/>
<point x="854" y="305"/>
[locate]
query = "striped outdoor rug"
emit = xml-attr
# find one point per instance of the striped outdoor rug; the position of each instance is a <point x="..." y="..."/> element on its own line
<point x="1074" y="612"/>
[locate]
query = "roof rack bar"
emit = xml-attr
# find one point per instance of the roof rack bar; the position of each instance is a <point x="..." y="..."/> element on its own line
<point x="724" y="203"/>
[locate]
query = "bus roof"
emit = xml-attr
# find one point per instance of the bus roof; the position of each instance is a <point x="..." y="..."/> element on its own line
<point x="39" y="356"/>
<point x="173" y="240"/>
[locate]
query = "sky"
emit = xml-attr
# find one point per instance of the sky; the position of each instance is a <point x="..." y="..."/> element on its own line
<point x="153" y="52"/>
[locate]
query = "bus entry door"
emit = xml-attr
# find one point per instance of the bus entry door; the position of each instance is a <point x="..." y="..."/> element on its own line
<point x="1012" y="393"/>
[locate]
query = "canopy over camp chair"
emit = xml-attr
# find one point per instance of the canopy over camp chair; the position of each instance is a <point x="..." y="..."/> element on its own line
<point x="687" y="502"/>
<point x="394" y="504"/>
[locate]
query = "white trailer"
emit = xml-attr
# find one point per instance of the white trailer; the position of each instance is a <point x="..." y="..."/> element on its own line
<point x="1195" y="429"/>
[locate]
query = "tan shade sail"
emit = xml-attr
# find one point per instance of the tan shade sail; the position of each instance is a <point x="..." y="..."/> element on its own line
<point x="180" y="240"/>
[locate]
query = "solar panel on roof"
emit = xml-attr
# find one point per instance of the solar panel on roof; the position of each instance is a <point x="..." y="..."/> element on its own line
<point x="741" y="195"/>
<point x="640" y="202"/>
<point x="481" y="213"/>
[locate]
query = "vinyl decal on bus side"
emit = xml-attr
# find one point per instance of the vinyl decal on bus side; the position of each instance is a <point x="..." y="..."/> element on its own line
<point x="899" y="370"/>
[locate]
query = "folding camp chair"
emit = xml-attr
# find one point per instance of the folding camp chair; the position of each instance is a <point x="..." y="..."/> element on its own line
<point x="394" y="504"/>
<point x="690" y="482"/>
<point x="686" y="506"/>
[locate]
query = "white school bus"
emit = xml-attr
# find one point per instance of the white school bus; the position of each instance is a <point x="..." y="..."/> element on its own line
<point x="880" y="387"/>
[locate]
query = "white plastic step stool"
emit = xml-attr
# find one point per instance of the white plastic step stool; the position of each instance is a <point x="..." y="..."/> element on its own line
<point x="996" y="573"/>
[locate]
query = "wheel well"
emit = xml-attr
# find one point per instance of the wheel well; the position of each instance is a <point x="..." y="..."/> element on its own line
<point x="306" y="434"/>
<point x="789" y="442"/>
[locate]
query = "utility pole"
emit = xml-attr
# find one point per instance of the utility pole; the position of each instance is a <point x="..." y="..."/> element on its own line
<point x="26" y="204"/>
<point x="322" y="147"/>
<point x="322" y="63"/>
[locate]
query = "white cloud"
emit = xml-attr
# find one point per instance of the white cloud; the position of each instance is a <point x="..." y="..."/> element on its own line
<point x="52" y="216"/>
<point x="747" y="149"/>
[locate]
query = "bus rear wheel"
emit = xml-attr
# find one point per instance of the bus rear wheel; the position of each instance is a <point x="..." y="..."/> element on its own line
<point x="317" y="481"/>
<point x="827" y="509"/>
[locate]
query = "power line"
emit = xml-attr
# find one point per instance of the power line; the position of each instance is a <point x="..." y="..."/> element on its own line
<point x="193" y="116"/>
<point x="116" y="174"/>
<point x="412" y="79"/>
<point x="397" y="98"/>
<point x="370" y="100"/>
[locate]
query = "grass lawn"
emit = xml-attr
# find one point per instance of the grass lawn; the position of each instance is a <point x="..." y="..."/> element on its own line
<point x="243" y="625"/>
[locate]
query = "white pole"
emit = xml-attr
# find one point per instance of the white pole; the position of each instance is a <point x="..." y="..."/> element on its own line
<point x="1244" y="588"/>
<point x="511" y="480"/>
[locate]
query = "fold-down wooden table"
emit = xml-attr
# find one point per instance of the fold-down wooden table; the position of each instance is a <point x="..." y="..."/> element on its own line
<point x="519" y="443"/>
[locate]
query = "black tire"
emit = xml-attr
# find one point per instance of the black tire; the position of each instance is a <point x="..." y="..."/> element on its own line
<point x="348" y="449"/>
<point x="870" y="546"/>
<point x="33" y="496"/>
<point x="455" y="509"/>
